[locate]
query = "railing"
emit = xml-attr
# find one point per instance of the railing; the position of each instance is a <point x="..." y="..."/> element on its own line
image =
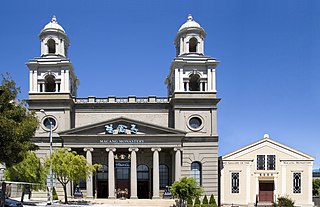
<point x="129" y="99"/>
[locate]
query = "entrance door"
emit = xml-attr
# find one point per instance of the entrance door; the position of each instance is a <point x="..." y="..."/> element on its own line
<point x="266" y="191"/>
<point x="143" y="181"/>
<point x="123" y="182"/>
<point x="102" y="189"/>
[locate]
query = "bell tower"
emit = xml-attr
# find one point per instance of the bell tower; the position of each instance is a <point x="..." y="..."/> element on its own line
<point x="52" y="72"/>
<point x="52" y="80"/>
<point x="191" y="85"/>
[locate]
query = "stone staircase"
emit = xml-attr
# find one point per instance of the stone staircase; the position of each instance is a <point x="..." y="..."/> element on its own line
<point x="135" y="202"/>
<point x="264" y="204"/>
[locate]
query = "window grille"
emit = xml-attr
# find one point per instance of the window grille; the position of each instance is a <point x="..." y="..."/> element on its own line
<point x="296" y="182"/>
<point x="260" y="162"/>
<point x="235" y="182"/>
<point x="271" y="162"/>
<point x="196" y="172"/>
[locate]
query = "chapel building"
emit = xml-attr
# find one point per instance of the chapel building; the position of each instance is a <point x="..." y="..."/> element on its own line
<point x="142" y="143"/>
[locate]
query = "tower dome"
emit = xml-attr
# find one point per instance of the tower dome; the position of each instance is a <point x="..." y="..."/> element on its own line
<point x="190" y="23"/>
<point x="53" y="25"/>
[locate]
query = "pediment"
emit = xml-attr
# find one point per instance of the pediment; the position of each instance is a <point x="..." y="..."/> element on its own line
<point x="266" y="146"/>
<point x="121" y="126"/>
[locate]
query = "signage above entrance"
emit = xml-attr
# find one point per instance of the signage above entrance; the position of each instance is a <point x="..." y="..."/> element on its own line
<point x="121" y="141"/>
<point x="121" y="129"/>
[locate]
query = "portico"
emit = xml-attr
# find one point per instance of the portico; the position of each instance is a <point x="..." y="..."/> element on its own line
<point x="144" y="159"/>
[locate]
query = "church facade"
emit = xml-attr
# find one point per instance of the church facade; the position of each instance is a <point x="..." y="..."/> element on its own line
<point x="142" y="143"/>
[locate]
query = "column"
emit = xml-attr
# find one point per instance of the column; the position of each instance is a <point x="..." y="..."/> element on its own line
<point x="177" y="163"/>
<point x="111" y="172"/>
<point x="89" y="180"/>
<point x="155" y="172"/>
<point x="248" y="183"/>
<point x="133" y="172"/>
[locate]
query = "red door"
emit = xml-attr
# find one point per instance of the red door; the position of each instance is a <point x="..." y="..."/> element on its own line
<point x="266" y="191"/>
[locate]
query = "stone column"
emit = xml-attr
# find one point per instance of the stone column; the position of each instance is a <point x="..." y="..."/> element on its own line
<point x="155" y="172"/>
<point x="89" y="180"/>
<point x="111" y="176"/>
<point x="177" y="171"/>
<point x="133" y="173"/>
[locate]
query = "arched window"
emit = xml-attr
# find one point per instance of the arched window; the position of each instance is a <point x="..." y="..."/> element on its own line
<point x="143" y="172"/>
<point x="196" y="172"/>
<point x="51" y="46"/>
<point x="163" y="175"/>
<point x="50" y="84"/>
<point x="193" y="42"/>
<point x="194" y="82"/>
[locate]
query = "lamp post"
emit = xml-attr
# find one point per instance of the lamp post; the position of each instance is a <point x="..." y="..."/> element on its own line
<point x="51" y="174"/>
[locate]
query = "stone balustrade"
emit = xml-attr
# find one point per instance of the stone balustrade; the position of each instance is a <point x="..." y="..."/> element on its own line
<point x="129" y="99"/>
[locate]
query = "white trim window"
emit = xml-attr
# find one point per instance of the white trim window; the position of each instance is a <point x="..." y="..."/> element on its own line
<point x="266" y="164"/>
<point x="235" y="182"/>
<point x="297" y="182"/>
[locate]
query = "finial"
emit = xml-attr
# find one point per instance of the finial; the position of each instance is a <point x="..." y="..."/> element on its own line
<point x="190" y="17"/>
<point x="266" y="136"/>
<point x="54" y="19"/>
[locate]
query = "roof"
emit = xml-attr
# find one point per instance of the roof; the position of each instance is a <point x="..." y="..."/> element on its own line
<point x="264" y="141"/>
<point x="53" y="25"/>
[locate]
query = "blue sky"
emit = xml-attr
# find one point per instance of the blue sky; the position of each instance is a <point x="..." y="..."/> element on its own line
<point x="268" y="77"/>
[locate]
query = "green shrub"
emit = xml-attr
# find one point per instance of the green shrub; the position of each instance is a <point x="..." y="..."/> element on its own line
<point x="205" y="200"/>
<point x="197" y="201"/>
<point x="212" y="201"/>
<point x="204" y="205"/>
<point x="197" y="205"/>
<point x="54" y="194"/>
<point x="284" y="202"/>
<point x="189" y="202"/>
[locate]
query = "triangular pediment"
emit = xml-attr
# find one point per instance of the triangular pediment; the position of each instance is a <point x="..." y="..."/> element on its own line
<point x="266" y="146"/>
<point x="121" y="126"/>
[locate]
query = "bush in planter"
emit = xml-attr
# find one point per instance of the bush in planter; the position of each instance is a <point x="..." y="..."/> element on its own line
<point x="197" y="202"/>
<point x="284" y="202"/>
<point x="212" y="201"/>
<point x="54" y="194"/>
<point x="205" y="202"/>
<point x="190" y="202"/>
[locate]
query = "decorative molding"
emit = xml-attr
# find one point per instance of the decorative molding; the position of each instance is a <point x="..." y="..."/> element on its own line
<point x="153" y="149"/>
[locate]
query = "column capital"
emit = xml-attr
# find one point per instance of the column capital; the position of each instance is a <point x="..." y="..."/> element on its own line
<point x="69" y="149"/>
<point x="153" y="149"/>
<point x="133" y="149"/>
<point x="178" y="149"/>
<point x="88" y="149"/>
<point x="110" y="149"/>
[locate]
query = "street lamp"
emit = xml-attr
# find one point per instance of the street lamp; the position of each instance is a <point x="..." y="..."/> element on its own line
<point x="51" y="174"/>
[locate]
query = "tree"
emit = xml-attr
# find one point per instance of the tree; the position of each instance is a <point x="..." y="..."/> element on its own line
<point x="30" y="170"/>
<point x="185" y="188"/>
<point x="68" y="166"/>
<point x="316" y="187"/>
<point x="17" y="125"/>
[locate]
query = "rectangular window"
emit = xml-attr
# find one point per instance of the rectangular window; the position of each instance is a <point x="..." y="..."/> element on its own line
<point x="235" y="182"/>
<point x="261" y="162"/>
<point x="271" y="162"/>
<point x="296" y="182"/>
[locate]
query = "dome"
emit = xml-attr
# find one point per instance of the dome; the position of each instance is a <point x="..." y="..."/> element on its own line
<point x="190" y="24"/>
<point x="53" y="25"/>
